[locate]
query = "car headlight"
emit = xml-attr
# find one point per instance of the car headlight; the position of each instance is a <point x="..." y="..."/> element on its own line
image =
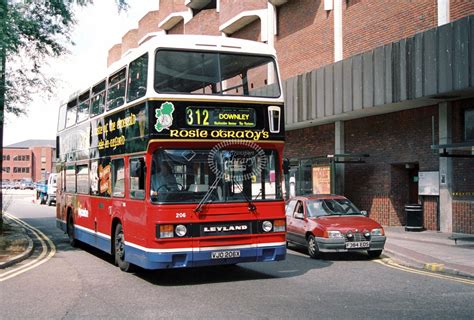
<point x="267" y="226"/>
<point x="334" y="234"/>
<point x="180" y="230"/>
<point x="377" y="232"/>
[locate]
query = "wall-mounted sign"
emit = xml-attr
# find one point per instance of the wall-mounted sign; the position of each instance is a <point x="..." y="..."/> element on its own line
<point x="428" y="183"/>
<point x="220" y="117"/>
<point x="322" y="179"/>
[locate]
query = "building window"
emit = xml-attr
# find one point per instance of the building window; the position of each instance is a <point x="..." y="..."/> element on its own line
<point x="469" y="124"/>
<point x="6" y="157"/>
<point x="6" y="169"/>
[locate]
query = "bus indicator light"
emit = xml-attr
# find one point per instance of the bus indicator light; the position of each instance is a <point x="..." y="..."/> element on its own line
<point x="166" y="231"/>
<point x="279" y="226"/>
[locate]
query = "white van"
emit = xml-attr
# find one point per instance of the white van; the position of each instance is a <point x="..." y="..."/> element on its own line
<point x="51" y="189"/>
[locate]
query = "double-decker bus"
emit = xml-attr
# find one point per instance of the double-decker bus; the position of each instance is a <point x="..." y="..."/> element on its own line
<point x="174" y="159"/>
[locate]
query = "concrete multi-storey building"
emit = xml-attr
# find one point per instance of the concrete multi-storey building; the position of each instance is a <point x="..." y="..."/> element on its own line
<point x="375" y="83"/>
<point x="31" y="159"/>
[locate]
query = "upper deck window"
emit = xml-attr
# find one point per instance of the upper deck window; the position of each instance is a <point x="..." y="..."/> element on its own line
<point x="71" y="113"/>
<point x="62" y="117"/>
<point x="116" y="90"/>
<point x="83" y="109"/>
<point x="98" y="99"/>
<point x="137" y="78"/>
<point x="214" y="73"/>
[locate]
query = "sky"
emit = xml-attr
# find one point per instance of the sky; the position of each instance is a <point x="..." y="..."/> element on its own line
<point x="98" y="28"/>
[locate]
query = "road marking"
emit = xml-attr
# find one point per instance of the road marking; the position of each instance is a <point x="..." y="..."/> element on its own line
<point x="42" y="258"/>
<point x="434" y="267"/>
<point x="391" y="264"/>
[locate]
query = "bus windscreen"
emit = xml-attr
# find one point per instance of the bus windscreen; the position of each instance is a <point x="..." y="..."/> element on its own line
<point x="185" y="176"/>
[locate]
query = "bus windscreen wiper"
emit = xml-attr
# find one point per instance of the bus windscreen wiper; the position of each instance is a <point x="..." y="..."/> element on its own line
<point x="251" y="206"/>
<point x="204" y="199"/>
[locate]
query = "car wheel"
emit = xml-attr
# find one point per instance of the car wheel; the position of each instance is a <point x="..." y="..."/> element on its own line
<point x="70" y="232"/>
<point x="313" y="249"/>
<point x="119" y="250"/>
<point x="374" y="253"/>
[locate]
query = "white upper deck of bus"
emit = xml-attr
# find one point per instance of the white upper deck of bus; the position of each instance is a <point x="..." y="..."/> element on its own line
<point x="194" y="42"/>
<point x="181" y="43"/>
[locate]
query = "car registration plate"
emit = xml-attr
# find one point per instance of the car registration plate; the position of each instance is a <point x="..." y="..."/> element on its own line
<point x="225" y="254"/>
<point x="357" y="245"/>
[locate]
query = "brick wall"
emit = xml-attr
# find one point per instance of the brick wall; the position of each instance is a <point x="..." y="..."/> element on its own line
<point x="368" y="24"/>
<point x="148" y="24"/>
<point x="115" y="53"/>
<point x="305" y="39"/>
<point x="231" y="8"/>
<point x="249" y="32"/>
<point x="206" y="22"/>
<point x="460" y="8"/>
<point x="391" y="140"/>
<point x="310" y="142"/>
<point x="463" y="217"/>
<point x="12" y="163"/>
<point x="130" y="40"/>
<point x="430" y="211"/>
<point x="463" y="173"/>
<point x="177" y="29"/>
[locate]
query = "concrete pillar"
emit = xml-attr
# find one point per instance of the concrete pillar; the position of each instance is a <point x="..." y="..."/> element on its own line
<point x="443" y="12"/>
<point x="445" y="169"/>
<point x="339" y="149"/>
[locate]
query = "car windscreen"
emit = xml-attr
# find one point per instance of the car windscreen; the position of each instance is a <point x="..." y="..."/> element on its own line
<point x="317" y="208"/>
<point x="215" y="73"/>
<point x="186" y="176"/>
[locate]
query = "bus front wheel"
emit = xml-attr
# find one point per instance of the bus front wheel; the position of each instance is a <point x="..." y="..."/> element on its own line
<point x="119" y="250"/>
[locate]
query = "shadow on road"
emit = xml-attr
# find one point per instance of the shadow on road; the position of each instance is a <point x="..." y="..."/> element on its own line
<point x="296" y="264"/>
<point x="328" y="257"/>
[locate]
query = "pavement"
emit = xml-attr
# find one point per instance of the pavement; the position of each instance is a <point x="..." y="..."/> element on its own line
<point x="15" y="243"/>
<point x="429" y="250"/>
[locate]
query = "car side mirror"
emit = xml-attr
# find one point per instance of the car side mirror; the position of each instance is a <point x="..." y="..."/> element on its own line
<point x="299" y="215"/>
<point x="364" y="213"/>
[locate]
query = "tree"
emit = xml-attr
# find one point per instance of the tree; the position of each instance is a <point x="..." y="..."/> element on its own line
<point x="30" y="31"/>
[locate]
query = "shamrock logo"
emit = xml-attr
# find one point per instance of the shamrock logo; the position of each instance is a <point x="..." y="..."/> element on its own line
<point x="164" y="116"/>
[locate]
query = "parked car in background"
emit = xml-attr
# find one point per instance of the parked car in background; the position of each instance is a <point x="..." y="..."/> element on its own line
<point x="332" y="223"/>
<point x="26" y="184"/>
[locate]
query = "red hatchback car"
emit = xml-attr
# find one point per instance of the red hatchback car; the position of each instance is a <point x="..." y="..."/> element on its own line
<point x="332" y="223"/>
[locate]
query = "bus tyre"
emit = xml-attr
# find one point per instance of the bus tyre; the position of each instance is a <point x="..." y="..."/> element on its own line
<point x="70" y="231"/>
<point x="119" y="250"/>
<point x="313" y="249"/>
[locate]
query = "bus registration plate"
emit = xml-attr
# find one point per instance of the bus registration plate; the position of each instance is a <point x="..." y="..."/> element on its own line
<point x="357" y="245"/>
<point x="225" y="254"/>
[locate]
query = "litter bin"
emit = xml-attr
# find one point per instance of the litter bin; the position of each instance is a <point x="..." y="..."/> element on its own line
<point x="414" y="217"/>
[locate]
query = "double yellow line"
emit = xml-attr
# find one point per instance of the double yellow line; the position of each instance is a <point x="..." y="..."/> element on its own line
<point x="42" y="258"/>
<point x="389" y="263"/>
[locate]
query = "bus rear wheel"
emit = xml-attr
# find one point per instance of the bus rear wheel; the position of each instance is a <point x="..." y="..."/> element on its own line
<point x="119" y="250"/>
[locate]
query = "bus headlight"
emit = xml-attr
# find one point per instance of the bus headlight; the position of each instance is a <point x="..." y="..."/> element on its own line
<point x="180" y="230"/>
<point x="267" y="226"/>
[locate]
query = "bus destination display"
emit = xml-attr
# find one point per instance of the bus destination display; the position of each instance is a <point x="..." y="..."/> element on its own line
<point x="220" y="117"/>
